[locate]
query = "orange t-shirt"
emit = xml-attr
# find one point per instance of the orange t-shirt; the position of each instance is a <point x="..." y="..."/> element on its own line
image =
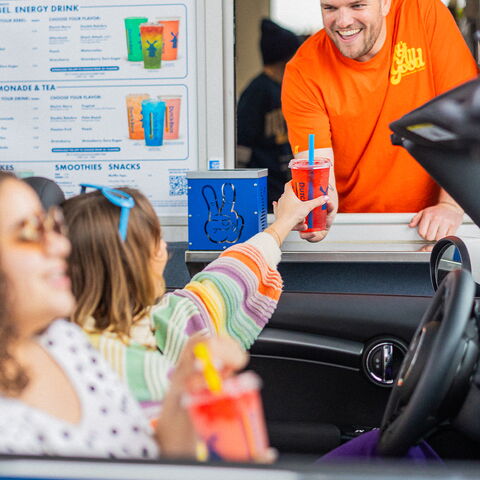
<point x="349" y="104"/>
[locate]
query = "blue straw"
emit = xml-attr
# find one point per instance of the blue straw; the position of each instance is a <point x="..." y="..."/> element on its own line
<point x="311" y="154"/>
<point x="311" y="148"/>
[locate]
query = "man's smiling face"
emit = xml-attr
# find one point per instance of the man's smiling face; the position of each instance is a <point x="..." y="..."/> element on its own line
<point x="358" y="28"/>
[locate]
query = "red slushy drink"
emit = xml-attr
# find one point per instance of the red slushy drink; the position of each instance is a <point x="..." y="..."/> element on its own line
<point x="309" y="182"/>
<point x="231" y="422"/>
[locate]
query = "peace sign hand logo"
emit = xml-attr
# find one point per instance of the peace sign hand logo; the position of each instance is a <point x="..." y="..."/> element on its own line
<point x="223" y="224"/>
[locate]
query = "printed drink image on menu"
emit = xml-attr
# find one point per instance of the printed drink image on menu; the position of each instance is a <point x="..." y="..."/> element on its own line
<point x="88" y="40"/>
<point x="102" y="92"/>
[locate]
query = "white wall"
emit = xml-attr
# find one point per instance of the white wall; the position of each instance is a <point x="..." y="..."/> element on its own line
<point x="248" y="61"/>
<point x="302" y="17"/>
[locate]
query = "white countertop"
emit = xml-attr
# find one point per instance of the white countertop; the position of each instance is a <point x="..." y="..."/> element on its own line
<point x="361" y="237"/>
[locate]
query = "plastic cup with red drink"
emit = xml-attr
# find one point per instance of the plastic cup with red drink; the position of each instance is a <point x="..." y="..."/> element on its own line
<point x="231" y="421"/>
<point x="309" y="181"/>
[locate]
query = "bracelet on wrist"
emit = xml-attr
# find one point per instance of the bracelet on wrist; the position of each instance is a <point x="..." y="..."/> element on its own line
<point x="271" y="231"/>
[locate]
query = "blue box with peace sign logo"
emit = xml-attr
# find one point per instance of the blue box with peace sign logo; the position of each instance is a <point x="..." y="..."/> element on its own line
<point x="225" y="207"/>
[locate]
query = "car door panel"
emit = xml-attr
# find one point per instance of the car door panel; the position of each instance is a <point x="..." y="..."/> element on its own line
<point x="350" y="316"/>
<point x="286" y="344"/>
<point x="310" y="357"/>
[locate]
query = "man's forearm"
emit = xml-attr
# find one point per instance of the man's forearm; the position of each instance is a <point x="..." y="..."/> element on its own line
<point x="332" y="187"/>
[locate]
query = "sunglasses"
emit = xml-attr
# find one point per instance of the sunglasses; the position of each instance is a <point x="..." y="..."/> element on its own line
<point x="34" y="229"/>
<point x="121" y="199"/>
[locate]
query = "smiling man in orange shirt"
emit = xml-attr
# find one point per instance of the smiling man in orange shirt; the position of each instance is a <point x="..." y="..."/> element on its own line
<point x="374" y="61"/>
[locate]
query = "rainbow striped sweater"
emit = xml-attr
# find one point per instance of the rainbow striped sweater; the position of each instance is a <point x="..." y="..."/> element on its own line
<point x="236" y="293"/>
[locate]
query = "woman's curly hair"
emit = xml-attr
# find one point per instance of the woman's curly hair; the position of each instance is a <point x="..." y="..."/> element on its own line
<point x="13" y="378"/>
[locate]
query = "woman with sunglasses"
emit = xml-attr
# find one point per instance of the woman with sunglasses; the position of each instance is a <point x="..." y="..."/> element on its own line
<point x="118" y="283"/>
<point x="58" y="396"/>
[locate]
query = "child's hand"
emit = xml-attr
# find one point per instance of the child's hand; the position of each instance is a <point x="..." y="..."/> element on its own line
<point x="291" y="210"/>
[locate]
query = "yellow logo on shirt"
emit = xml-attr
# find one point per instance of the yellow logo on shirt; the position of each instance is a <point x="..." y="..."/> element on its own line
<point x="405" y="62"/>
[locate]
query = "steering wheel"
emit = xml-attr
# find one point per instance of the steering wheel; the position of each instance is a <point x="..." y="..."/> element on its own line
<point x="434" y="378"/>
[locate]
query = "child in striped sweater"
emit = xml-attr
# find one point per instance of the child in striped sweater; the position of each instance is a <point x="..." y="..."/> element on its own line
<point x="120" y="292"/>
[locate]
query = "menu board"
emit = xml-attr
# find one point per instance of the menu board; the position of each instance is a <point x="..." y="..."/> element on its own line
<point x="101" y="92"/>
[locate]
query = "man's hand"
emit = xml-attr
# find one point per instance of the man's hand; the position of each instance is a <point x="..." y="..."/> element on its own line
<point x="438" y="221"/>
<point x="290" y="211"/>
<point x="332" y="205"/>
<point x="314" y="237"/>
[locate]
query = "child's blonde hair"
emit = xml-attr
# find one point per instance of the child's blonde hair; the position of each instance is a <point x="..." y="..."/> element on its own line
<point x="113" y="281"/>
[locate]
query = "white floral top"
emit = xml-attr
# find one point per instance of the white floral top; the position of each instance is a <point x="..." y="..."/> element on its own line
<point x="112" y="423"/>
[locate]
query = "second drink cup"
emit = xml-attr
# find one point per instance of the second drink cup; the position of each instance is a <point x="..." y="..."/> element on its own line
<point x="231" y="422"/>
<point x="172" y="116"/>
<point x="170" y="38"/>
<point x="134" y="42"/>
<point x="134" y="115"/>
<point x="153" y="121"/>
<point x="309" y="182"/>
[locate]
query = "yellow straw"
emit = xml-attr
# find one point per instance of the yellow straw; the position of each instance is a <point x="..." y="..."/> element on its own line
<point x="212" y="377"/>
<point x="295" y="150"/>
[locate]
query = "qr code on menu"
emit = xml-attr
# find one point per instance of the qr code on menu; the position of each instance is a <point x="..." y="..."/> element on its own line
<point x="177" y="185"/>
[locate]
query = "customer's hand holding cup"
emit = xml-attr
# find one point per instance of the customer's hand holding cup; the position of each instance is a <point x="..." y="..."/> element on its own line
<point x="310" y="178"/>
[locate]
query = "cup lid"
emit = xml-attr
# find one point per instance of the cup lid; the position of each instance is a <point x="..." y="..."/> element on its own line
<point x="318" y="162"/>
<point x="169" y="97"/>
<point x="152" y="101"/>
<point x="151" y="24"/>
<point x="231" y="387"/>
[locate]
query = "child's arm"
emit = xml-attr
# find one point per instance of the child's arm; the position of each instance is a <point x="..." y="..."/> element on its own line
<point x="236" y="293"/>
